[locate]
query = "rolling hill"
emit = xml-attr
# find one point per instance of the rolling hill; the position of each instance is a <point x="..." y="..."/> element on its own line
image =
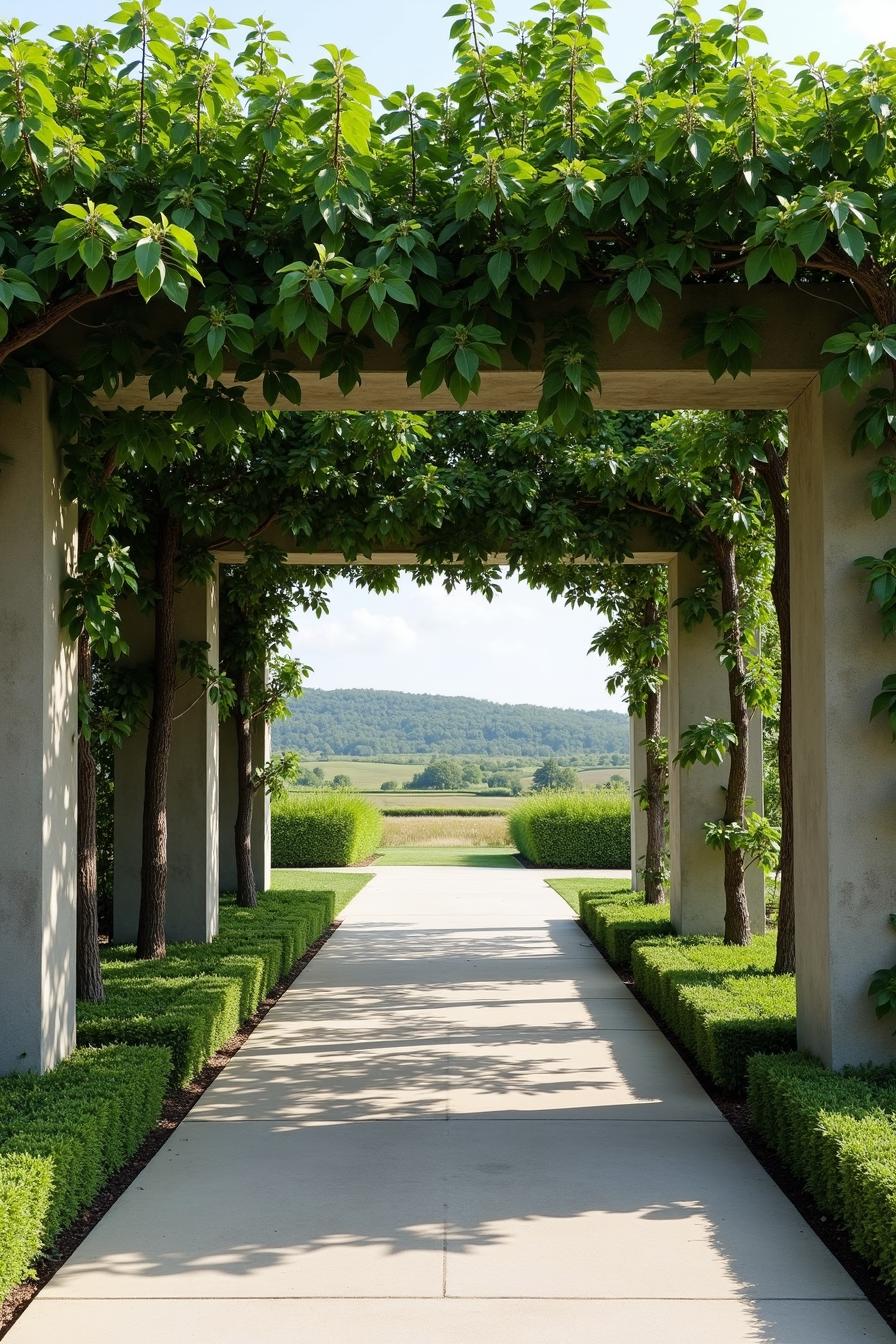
<point x="375" y="724"/>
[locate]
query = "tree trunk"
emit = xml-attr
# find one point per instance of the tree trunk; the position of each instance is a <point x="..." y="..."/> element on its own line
<point x="774" y="474"/>
<point x="154" y="867"/>
<point x="242" y="831"/>
<point x="737" y="914"/>
<point x="89" y="970"/>
<point x="654" y="890"/>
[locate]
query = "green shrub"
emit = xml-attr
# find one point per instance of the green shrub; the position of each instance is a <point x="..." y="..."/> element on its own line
<point x="615" y="922"/>
<point x="574" y="830"/>
<point x="837" y="1133"/>
<point x="63" y="1135"/>
<point x="323" y="830"/>
<point x="195" y="999"/>
<point x="722" y="1002"/>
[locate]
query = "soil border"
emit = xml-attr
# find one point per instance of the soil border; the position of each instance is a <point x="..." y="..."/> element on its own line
<point x="176" y="1106"/>
<point x="737" y="1112"/>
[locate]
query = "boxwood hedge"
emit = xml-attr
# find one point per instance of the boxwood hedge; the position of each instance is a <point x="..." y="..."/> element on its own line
<point x="837" y="1133"/>
<point x="194" y="1000"/>
<point x="323" y="830"/>
<point x="616" y="921"/>
<point x="574" y="830"/>
<point x="722" y="1002"/>
<point x="63" y="1135"/>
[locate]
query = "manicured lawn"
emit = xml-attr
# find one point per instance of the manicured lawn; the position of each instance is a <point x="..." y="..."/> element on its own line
<point x="345" y="885"/>
<point x="570" y="888"/>
<point x="420" y="856"/>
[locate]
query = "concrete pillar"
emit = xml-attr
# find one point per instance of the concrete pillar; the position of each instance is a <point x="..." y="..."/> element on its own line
<point x="192" y="911"/>
<point x="697" y="688"/>
<point x="261" y="808"/>
<point x="844" y="763"/>
<point x="38" y="786"/>
<point x="637" y="774"/>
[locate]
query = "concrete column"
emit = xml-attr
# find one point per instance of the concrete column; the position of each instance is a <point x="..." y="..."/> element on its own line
<point x="697" y="688"/>
<point x="38" y="785"/>
<point x="261" y="808"/>
<point x="844" y="763"/>
<point x="192" y="911"/>
<point x="637" y="758"/>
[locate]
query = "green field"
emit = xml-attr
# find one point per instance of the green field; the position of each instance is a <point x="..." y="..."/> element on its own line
<point x="367" y="776"/>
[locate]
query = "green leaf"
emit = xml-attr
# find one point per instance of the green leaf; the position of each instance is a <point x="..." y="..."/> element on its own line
<point x="467" y="362"/>
<point x="758" y="264"/>
<point x="618" y="319"/>
<point x="499" y="264"/>
<point x="638" y="282"/>
<point x="875" y="149"/>
<point x="359" y="313"/>
<point x="148" y="254"/>
<point x="852" y="241"/>
<point x="650" y="311"/>
<point x="91" y="252"/>
<point x="386" y="322"/>
<point x="783" y="263"/>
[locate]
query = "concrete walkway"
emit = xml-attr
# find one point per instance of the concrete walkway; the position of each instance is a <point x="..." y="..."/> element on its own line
<point x="458" y="1125"/>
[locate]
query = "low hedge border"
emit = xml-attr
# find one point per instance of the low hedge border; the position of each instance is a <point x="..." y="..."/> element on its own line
<point x="62" y="1135"/>
<point x="723" y="1003"/>
<point x="323" y="830"/>
<point x="615" y="922"/>
<point x="574" y="830"/>
<point x="197" y="997"/>
<point x="836" y="1132"/>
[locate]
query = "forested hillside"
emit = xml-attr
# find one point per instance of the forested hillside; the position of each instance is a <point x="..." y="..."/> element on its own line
<point x="375" y="724"/>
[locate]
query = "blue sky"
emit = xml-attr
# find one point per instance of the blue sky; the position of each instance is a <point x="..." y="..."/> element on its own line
<point x="521" y="648"/>
<point x="404" y="41"/>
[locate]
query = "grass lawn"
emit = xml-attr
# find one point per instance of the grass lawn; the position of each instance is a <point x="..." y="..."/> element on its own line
<point x="421" y="856"/>
<point x="345" y="885"/>
<point x="569" y="887"/>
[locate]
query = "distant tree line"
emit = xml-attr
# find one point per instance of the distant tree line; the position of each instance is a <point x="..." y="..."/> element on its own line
<point x="372" y="724"/>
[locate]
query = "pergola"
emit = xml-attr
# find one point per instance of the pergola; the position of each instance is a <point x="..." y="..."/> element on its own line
<point x="845" y="841"/>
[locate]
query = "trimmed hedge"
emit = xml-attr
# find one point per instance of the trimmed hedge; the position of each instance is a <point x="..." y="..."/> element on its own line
<point x="63" y="1135"/>
<point x="574" y="830"/>
<point x="837" y="1133"/>
<point x="722" y="1002"/>
<point x="324" y="830"/>
<point x="616" y="921"/>
<point x="197" y="997"/>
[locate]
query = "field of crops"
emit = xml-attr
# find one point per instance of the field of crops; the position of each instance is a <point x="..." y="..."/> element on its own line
<point x="367" y="777"/>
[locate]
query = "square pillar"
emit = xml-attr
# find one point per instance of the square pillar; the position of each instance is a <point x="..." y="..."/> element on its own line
<point x="637" y="773"/>
<point x="697" y="688"/>
<point x="261" y="807"/>
<point x="38" y="779"/>
<point x="192" y="909"/>
<point x="844" y="763"/>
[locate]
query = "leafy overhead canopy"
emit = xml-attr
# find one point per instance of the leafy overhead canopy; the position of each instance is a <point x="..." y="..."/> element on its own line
<point x="185" y="162"/>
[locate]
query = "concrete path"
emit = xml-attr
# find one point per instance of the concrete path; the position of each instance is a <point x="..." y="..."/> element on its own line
<point x="458" y="1125"/>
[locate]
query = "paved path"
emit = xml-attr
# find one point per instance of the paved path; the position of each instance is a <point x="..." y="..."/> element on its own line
<point x="457" y="1126"/>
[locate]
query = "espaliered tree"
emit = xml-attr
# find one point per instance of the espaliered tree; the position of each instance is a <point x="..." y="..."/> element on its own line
<point x="91" y="615"/>
<point x="633" y="598"/>
<point x="698" y="469"/>
<point x="258" y="602"/>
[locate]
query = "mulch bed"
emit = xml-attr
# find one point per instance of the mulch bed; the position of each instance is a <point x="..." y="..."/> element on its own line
<point x="737" y="1113"/>
<point x="176" y="1106"/>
